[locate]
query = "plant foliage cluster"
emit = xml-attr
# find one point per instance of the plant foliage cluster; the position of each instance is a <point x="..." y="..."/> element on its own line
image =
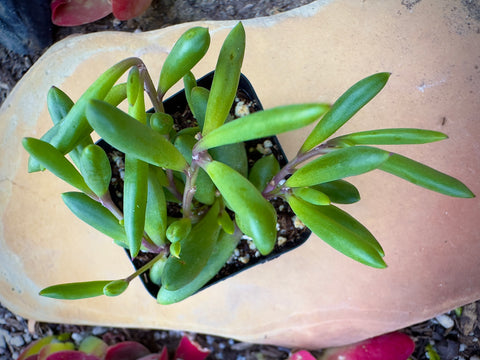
<point x="204" y="168"/>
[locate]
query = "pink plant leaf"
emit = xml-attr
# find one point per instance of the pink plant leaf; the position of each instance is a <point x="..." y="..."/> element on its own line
<point x="79" y="12"/>
<point x="393" y="346"/>
<point x="190" y="350"/>
<point x="127" y="350"/>
<point x="128" y="9"/>
<point x="71" y="355"/>
<point x="159" y="356"/>
<point x="302" y="355"/>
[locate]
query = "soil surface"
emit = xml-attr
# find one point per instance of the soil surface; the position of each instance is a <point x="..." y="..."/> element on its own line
<point x="453" y="336"/>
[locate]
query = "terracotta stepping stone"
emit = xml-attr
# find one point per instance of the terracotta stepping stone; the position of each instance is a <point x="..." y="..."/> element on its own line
<point x="312" y="297"/>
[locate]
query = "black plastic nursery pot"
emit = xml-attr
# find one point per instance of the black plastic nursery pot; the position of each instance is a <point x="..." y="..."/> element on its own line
<point x="290" y="234"/>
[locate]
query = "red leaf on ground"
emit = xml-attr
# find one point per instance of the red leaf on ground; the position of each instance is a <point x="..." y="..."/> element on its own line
<point x="302" y="355"/>
<point x="78" y="12"/>
<point x="127" y="350"/>
<point x="189" y="350"/>
<point x="393" y="346"/>
<point x="71" y="355"/>
<point x="128" y="9"/>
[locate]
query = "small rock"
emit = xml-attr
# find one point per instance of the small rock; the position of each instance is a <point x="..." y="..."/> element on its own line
<point x="98" y="330"/>
<point x="445" y="321"/>
<point x="17" y="341"/>
<point x="475" y="357"/>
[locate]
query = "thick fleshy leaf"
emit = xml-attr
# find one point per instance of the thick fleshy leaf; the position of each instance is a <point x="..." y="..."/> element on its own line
<point x="189" y="82"/>
<point x="35" y="347"/>
<point x="226" y="222"/>
<point x="126" y="350"/>
<point x="339" y="191"/>
<point x="337" y="165"/>
<point x="156" y="271"/>
<point x="179" y="229"/>
<point x="74" y="126"/>
<point x="312" y="196"/>
<point x="156" y="211"/>
<point x="117" y="94"/>
<point x="96" y="169"/>
<point x="185" y="54"/>
<point x="161" y="123"/>
<point x="205" y="192"/>
<point x="198" y="104"/>
<point x="233" y="155"/>
<point x="58" y="104"/>
<point x="53" y="348"/>
<point x="262" y="124"/>
<point x="55" y="162"/>
<point x="333" y="227"/>
<point x="79" y="12"/>
<point x="344" y="108"/>
<point x="74" y="291"/>
<point x="196" y="249"/>
<point x="425" y="176"/>
<point x="255" y="216"/>
<point x="122" y="132"/>
<point x="93" y="345"/>
<point x="134" y="87"/>
<point x="135" y="201"/>
<point x="128" y="9"/>
<point x="393" y="346"/>
<point x="225" y="80"/>
<point x="115" y="287"/>
<point x="76" y="153"/>
<point x="222" y="251"/>
<point x="95" y="215"/>
<point x="188" y="349"/>
<point x="388" y="137"/>
<point x="263" y="171"/>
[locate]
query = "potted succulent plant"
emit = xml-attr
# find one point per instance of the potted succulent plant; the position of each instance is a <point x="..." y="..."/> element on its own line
<point x="189" y="194"/>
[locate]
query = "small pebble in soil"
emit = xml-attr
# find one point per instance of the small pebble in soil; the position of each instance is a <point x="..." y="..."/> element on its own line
<point x="445" y="321"/>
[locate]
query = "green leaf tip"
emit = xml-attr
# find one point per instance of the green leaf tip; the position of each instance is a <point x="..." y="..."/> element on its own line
<point x="345" y="107"/>
<point x="75" y="291"/>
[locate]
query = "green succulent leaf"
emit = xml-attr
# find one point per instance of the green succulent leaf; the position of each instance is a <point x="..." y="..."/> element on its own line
<point x="312" y="196"/>
<point x="161" y="123"/>
<point x="58" y="104"/>
<point x="92" y="345"/>
<point x="339" y="191"/>
<point x="74" y="291"/>
<point x="388" y="137"/>
<point x="425" y="176"/>
<point x="96" y="170"/>
<point x="95" y="215"/>
<point x="263" y="171"/>
<point x="226" y="222"/>
<point x="156" y="210"/>
<point x="134" y="85"/>
<point x="115" y="288"/>
<point x="185" y="54"/>
<point x="123" y="131"/>
<point x="198" y="104"/>
<point x="33" y="164"/>
<point x="117" y="94"/>
<point x="222" y="251"/>
<point x="337" y="165"/>
<point x="135" y="201"/>
<point x="196" y="249"/>
<point x="344" y="108"/>
<point x="343" y="234"/>
<point x="254" y="215"/>
<point x="262" y="124"/>
<point x="53" y="160"/>
<point x="76" y="153"/>
<point x="156" y="271"/>
<point x="175" y="249"/>
<point x="184" y="143"/>
<point x="75" y="126"/>
<point x="205" y="192"/>
<point x="225" y="80"/>
<point x="233" y="155"/>
<point x="179" y="230"/>
<point x="189" y="82"/>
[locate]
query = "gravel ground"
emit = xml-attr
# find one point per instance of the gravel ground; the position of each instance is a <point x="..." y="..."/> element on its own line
<point x="454" y="336"/>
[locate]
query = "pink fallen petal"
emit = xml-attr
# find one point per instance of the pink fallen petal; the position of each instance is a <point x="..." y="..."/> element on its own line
<point x="393" y="346"/>
<point x="128" y="9"/>
<point x="127" y="350"/>
<point x="302" y="355"/>
<point x="71" y="355"/>
<point x="79" y="12"/>
<point x="190" y="350"/>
